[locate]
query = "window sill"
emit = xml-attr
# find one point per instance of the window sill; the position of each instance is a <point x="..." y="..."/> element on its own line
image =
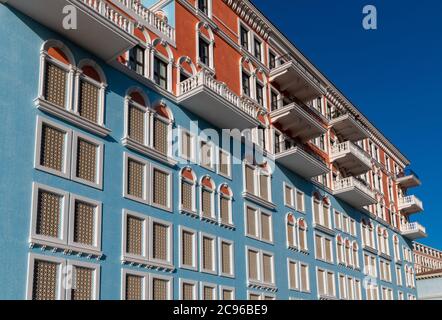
<point x="261" y="285"/>
<point x="192" y="214"/>
<point x="161" y="207"/>
<point x="135" y="199"/>
<point x="94" y="185"/>
<point x="52" y="171"/>
<point x="66" y="249"/>
<point x="229" y="276"/>
<point x="385" y="256"/>
<point x="327" y="297"/>
<point x="152" y="153"/>
<point x="370" y="249"/>
<point x="209" y="272"/>
<point x="262" y="202"/>
<point x="71" y="117"/>
<point x="227" y="225"/>
<point x="142" y="262"/>
<point x="324" y="229"/>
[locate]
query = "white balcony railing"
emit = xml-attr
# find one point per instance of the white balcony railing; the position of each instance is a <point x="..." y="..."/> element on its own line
<point x="410" y="201"/>
<point x="149" y="17"/>
<point x="348" y="147"/>
<point x="205" y="79"/>
<point x="413" y="227"/>
<point x="352" y="182"/>
<point x="103" y="8"/>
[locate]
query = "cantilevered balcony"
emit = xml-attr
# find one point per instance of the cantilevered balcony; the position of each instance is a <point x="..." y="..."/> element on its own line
<point x="100" y="27"/>
<point x="348" y="128"/>
<point x="350" y="157"/>
<point x="354" y="192"/>
<point x="413" y="231"/>
<point x="408" y="179"/>
<point x="292" y="77"/>
<point x="410" y="205"/>
<point x="216" y="103"/>
<point x="296" y="158"/>
<point x="303" y="123"/>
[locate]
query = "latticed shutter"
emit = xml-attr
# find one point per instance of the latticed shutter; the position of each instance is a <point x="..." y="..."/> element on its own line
<point x="134" y="235"/>
<point x="84" y="223"/>
<point x="160" y="136"/>
<point x="250" y="180"/>
<point x="207" y="254"/>
<point x="227" y="294"/>
<point x="160" y="289"/>
<point x="288" y="196"/>
<point x="251" y="221"/>
<point x="52" y="148"/>
<point x="89" y="98"/>
<point x="135" y="177"/>
<point x="160" y="188"/>
<point x="226" y="258"/>
<point x="136" y="124"/>
<point x="224" y="163"/>
<point x="186" y="145"/>
<point x="160" y="247"/>
<point x="293" y="268"/>
<point x="44" y="286"/>
<point x="187" y="196"/>
<point x="225" y="210"/>
<point x="187" y="248"/>
<point x="290" y="235"/>
<point x="208" y="293"/>
<point x="55" y="85"/>
<point x="267" y="268"/>
<point x="134" y="287"/>
<point x="86" y="161"/>
<point x="330" y="284"/>
<point x="299" y="201"/>
<point x="83" y="284"/>
<point x="188" y="290"/>
<point x="304" y="278"/>
<point x="252" y="258"/>
<point x="207" y="203"/>
<point x="265" y="227"/>
<point x="264" y="186"/>
<point x="48" y="214"/>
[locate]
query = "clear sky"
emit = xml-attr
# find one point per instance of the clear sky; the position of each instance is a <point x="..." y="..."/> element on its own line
<point x="393" y="75"/>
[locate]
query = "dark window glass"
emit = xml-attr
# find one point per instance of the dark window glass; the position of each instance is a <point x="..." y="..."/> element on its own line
<point x="277" y="143"/>
<point x="204" y="51"/>
<point x="136" y="60"/>
<point x="244" y="38"/>
<point x="272" y="60"/>
<point x="258" y="50"/>
<point x="202" y="5"/>
<point x="160" y="73"/>
<point x="183" y="77"/>
<point x="260" y="94"/>
<point x="246" y="84"/>
<point x="274" y="98"/>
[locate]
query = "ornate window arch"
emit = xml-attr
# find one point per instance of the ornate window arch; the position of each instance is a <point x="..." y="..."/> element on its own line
<point x="205" y="43"/>
<point x="355" y="248"/>
<point x="340" y="249"/>
<point x="188" y="185"/>
<point x="225" y="200"/>
<point x="291" y="230"/>
<point x="302" y="235"/>
<point x="185" y="69"/>
<point x="161" y="64"/>
<point x="207" y="198"/>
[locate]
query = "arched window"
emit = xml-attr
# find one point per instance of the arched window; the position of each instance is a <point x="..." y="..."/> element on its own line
<point x="355" y="255"/>
<point x="207" y="196"/>
<point x="397" y="251"/>
<point x="90" y="84"/>
<point x="56" y="75"/>
<point x="188" y="191"/>
<point x="136" y="59"/>
<point x="292" y="234"/>
<point x="386" y="242"/>
<point x="205" y="44"/>
<point x="162" y="129"/>
<point x="225" y="205"/>
<point x="186" y="70"/>
<point x="340" y="249"/>
<point x="161" y="63"/>
<point x="302" y="231"/>
<point x="380" y="237"/>
<point x="137" y="116"/>
<point x="348" y="258"/>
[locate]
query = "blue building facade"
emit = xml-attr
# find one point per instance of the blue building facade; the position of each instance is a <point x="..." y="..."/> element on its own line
<point x="159" y="272"/>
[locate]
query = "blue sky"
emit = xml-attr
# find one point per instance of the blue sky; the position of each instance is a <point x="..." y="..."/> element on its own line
<point x="393" y="75"/>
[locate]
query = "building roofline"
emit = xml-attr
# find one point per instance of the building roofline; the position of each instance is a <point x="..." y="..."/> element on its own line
<point x="347" y="103"/>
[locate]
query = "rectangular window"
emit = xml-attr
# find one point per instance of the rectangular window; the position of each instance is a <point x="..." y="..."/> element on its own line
<point x="55" y="84"/>
<point x="326" y="283"/>
<point x="260" y="93"/>
<point x="161" y="188"/>
<point x="226" y="258"/>
<point x="224" y="163"/>
<point x="259" y="224"/>
<point x="305" y="282"/>
<point x="161" y="136"/>
<point x="134" y="287"/>
<point x="272" y="60"/>
<point x="260" y="267"/>
<point x="53" y="148"/>
<point x="160" y="242"/>
<point x="187" y="145"/>
<point x="288" y="196"/>
<point x="136" y="123"/>
<point x="252" y="222"/>
<point x="244" y="38"/>
<point x="299" y="201"/>
<point x="204" y="53"/>
<point x="135" y="235"/>
<point x="252" y="260"/>
<point x="188" y="290"/>
<point x="208" y="254"/>
<point x="187" y="195"/>
<point x="225" y="210"/>
<point x="258" y="49"/>
<point x="246" y="84"/>
<point x="160" y="73"/>
<point x="46" y="280"/>
<point x="161" y="288"/>
<point x="266" y="227"/>
<point x="208" y="291"/>
<point x="87" y="162"/>
<point x="324" y="248"/>
<point x="136" y="172"/>
<point x="203" y="6"/>
<point x="89" y="101"/>
<point x="227" y="293"/>
<point x="264" y="186"/>
<point x="293" y="275"/>
<point x="250" y="179"/>
<point x="274" y="100"/>
<point x="207" y="203"/>
<point x="206" y="155"/>
<point x="49" y="214"/>
<point x="188" y="249"/>
<point x="136" y="60"/>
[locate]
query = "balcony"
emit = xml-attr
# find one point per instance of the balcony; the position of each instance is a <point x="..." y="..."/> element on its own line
<point x="299" y="120"/>
<point x="354" y="192"/>
<point x="292" y="77"/>
<point x="348" y="128"/>
<point x="410" y="205"/>
<point x="112" y="31"/>
<point x="413" y="231"/>
<point x="299" y="160"/>
<point x="408" y="179"/>
<point x="351" y="158"/>
<point x="215" y="102"/>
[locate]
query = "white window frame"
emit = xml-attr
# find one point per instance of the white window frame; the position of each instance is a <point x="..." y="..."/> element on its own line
<point x="169" y="206"/>
<point x="145" y="199"/>
<point x="230" y="211"/>
<point x="208" y="285"/>
<point x="323" y="248"/>
<point x="260" y="271"/>
<point x="292" y="205"/>
<point x="222" y="288"/>
<point x="296" y="192"/>
<point x="169" y="280"/>
<point x="168" y="263"/>
<point x="229" y="164"/>
<point x="301" y="264"/>
<point x="195" y="288"/>
<point x="325" y="282"/>
<point x="67" y="152"/>
<point x="99" y="165"/>
<point x="96" y="277"/>
<point x="144" y="275"/>
<point x="194" y="187"/>
<point x="128" y="102"/>
<point x="191" y="157"/>
<point x="212" y="166"/>
<point x="297" y="275"/>
<point x="232" y="258"/>
<point x="212" y="202"/>
<point x="214" y="271"/>
<point x="258" y="223"/>
<point x="194" y="267"/>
